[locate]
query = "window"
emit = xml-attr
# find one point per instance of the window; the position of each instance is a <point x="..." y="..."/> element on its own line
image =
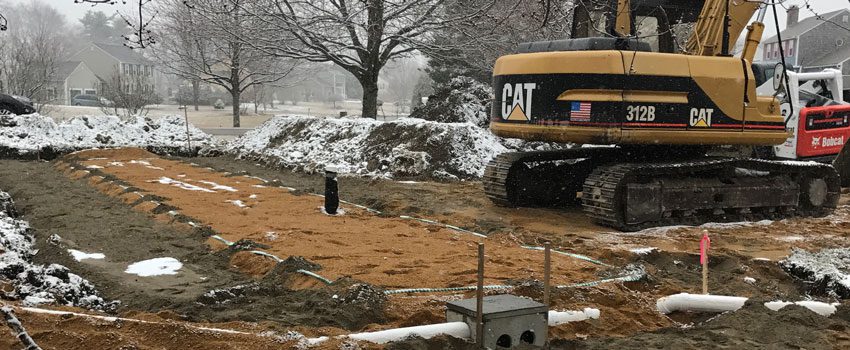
<point x="126" y="68"/>
<point x="91" y="92"/>
<point x="845" y="18"/>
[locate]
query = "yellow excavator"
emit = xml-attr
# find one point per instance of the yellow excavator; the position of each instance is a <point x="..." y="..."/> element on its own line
<point x="676" y="115"/>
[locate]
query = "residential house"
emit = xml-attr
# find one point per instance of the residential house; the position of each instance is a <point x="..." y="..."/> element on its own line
<point x="813" y="43"/>
<point x="73" y="78"/>
<point x="118" y="63"/>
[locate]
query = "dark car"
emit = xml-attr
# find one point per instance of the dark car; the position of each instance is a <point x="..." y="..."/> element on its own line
<point x="90" y="101"/>
<point x="17" y="105"/>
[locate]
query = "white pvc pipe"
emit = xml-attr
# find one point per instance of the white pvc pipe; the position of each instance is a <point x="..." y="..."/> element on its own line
<point x="454" y="329"/>
<point x="720" y="303"/>
<point x="699" y="302"/>
<point x="560" y="317"/>
<point x="817" y="307"/>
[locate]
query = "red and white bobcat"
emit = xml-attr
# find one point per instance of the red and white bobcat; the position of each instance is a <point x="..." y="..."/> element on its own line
<point x="819" y="120"/>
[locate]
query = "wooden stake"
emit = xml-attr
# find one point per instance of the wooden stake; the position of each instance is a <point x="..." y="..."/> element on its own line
<point x="704" y="246"/>
<point x="547" y="269"/>
<point x="188" y="135"/>
<point x="479" y="302"/>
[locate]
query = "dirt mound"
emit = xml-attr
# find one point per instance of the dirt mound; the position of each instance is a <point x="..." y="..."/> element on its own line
<point x="752" y="327"/>
<point x="462" y="100"/>
<point x="35" y="135"/>
<point x="408" y="148"/>
<point x="825" y="273"/>
<point x="345" y="304"/>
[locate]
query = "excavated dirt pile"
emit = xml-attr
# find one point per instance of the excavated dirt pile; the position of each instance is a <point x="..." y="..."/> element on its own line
<point x="33" y="136"/>
<point x="406" y="148"/>
<point x="752" y="327"/>
<point x="825" y="273"/>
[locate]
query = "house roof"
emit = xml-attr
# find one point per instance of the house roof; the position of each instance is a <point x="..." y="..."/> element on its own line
<point x="66" y="68"/>
<point x="805" y="25"/>
<point x="122" y="53"/>
<point x="833" y="57"/>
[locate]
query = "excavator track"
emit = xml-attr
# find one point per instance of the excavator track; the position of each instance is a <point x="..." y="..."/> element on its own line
<point x="635" y="196"/>
<point x="512" y="179"/>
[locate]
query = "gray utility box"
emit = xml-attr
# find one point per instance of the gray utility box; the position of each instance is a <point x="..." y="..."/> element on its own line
<point x="508" y="320"/>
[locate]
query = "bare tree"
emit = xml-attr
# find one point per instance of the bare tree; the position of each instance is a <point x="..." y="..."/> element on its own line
<point x="31" y="54"/>
<point x="360" y="36"/>
<point x="209" y="49"/>
<point x="127" y="95"/>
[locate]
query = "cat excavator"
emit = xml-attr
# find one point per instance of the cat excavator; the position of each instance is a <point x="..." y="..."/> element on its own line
<point x="667" y="118"/>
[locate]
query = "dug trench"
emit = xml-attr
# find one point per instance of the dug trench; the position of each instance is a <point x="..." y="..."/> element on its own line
<point x="273" y="293"/>
<point x="72" y="214"/>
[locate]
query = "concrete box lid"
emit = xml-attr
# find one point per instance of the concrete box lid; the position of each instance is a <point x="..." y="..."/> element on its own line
<point x="498" y="306"/>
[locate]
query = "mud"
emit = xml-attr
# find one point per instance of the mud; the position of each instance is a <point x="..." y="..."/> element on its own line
<point x="87" y="220"/>
<point x="345" y="304"/>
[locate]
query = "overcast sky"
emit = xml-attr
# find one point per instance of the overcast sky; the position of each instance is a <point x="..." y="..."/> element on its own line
<point x="76" y="11"/>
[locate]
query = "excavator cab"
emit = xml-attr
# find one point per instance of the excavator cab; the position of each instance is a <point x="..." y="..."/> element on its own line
<point x="663" y="25"/>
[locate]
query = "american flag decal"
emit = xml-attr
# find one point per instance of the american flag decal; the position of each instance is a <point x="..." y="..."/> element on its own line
<point x="580" y="112"/>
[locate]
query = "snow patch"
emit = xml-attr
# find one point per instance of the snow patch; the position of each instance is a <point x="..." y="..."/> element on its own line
<point x="216" y="186"/>
<point x="155" y="267"/>
<point x="237" y="203"/>
<point x="189" y="187"/>
<point x="80" y="256"/>
<point x="643" y="251"/>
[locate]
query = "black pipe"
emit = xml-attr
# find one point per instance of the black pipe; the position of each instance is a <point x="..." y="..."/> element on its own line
<point x="331" y="191"/>
<point x="726" y="21"/>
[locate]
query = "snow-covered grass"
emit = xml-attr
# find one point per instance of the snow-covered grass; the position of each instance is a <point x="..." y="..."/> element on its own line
<point x="31" y="134"/>
<point x="407" y="147"/>
<point x="34" y="283"/>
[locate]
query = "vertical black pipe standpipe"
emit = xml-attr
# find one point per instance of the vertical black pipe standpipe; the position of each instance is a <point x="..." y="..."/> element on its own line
<point x="331" y="190"/>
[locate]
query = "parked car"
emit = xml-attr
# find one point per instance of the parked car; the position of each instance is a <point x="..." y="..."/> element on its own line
<point x="18" y="105"/>
<point x="90" y="100"/>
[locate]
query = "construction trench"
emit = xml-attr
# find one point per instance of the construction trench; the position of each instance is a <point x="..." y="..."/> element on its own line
<point x="262" y="266"/>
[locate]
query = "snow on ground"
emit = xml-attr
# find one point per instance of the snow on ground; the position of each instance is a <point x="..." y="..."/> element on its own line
<point x="38" y="284"/>
<point x="80" y="255"/>
<point x="30" y="134"/>
<point x="216" y="186"/>
<point x="180" y="184"/>
<point x="155" y="267"/>
<point x="407" y="147"/>
<point x="828" y="271"/>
